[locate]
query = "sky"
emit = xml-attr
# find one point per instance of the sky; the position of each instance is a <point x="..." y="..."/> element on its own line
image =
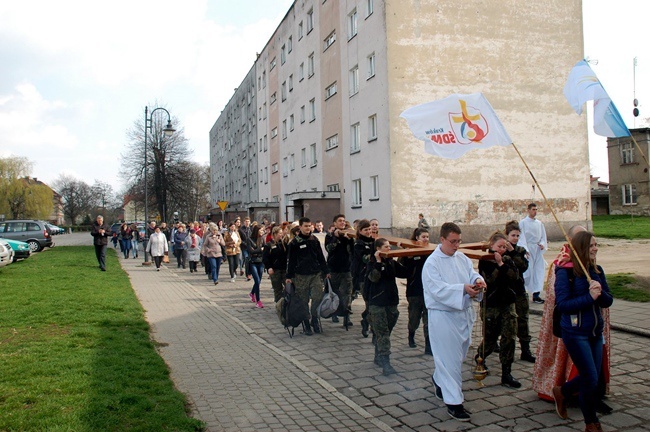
<point x="76" y="75"/>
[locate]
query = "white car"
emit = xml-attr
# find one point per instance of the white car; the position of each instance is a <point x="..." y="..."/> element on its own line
<point x="6" y="254"/>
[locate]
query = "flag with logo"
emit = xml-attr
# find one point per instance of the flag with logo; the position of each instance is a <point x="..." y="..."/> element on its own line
<point x="582" y="86"/>
<point x="452" y="126"/>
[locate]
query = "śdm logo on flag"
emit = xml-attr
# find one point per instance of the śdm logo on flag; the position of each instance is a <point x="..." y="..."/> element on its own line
<point x="452" y="126"/>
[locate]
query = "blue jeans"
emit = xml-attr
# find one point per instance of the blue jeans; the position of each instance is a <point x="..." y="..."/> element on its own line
<point x="215" y="264"/>
<point x="587" y="354"/>
<point x="134" y="247"/>
<point x="257" y="270"/>
<point x="245" y="262"/>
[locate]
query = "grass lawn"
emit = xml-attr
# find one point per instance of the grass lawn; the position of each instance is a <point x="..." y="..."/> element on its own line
<point x="627" y="286"/>
<point x="75" y="352"/>
<point x="625" y="227"/>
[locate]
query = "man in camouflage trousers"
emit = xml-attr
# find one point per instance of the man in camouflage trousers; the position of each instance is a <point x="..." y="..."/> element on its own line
<point x="339" y="258"/>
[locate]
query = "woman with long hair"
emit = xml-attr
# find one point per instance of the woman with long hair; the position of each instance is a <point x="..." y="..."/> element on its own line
<point x="233" y="242"/>
<point x="125" y="240"/>
<point x="212" y="251"/>
<point x="275" y="261"/>
<point x="580" y="298"/>
<point x="255" y="250"/>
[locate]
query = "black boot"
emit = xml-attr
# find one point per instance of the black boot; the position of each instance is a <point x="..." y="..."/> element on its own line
<point x="506" y="377"/>
<point x="364" y="327"/>
<point x="347" y="322"/>
<point x="315" y="325"/>
<point x="412" y="340"/>
<point x="387" y="369"/>
<point x="427" y="346"/>
<point x="307" y="328"/>
<point x="526" y="355"/>
<point x="335" y="319"/>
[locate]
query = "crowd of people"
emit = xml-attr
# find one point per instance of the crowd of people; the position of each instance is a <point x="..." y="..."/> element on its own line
<point x="441" y="289"/>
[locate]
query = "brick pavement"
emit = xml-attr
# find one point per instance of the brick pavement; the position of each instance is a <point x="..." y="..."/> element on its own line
<point x="226" y="355"/>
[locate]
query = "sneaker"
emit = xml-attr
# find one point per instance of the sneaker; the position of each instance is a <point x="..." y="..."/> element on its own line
<point x="458" y="412"/>
<point x="216" y="282"/>
<point x="538" y="300"/>
<point x="438" y="389"/>
<point x="259" y="305"/>
<point x="252" y="297"/>
<point x="232" y="280"/>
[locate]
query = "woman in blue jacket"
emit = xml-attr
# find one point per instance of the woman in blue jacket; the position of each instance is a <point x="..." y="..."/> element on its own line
<point x="579" y="299"/>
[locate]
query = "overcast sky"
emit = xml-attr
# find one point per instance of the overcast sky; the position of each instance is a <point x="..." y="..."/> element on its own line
<point x="76" y="75"/>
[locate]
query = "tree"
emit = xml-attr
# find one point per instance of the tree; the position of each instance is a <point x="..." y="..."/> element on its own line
<point x="196" y="192"/>
<point x="78" y="197"/>
<point x="22" y="197"/>
<point x="167" y="163"/>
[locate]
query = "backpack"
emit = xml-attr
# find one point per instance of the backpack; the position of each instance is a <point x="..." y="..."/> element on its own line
<point x="291" y="309"/>
<point x="330" y="304"/>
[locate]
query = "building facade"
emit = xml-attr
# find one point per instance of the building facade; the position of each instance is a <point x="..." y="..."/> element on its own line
<point x="334" y="77"/>
<point x="628" y="174"/>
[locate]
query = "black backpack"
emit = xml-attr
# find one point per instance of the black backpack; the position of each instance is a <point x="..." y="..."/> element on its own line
<point x="292" y="310"/>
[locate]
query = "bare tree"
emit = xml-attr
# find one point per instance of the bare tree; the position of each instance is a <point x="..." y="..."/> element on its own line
<point x="167" y="163"/>
<point x="195" y="192"/>
<point x="78" y="197"/>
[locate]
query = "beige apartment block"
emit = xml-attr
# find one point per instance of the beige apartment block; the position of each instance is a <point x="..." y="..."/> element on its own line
<point x="333" y="79"/>
<point x="628" y="174"/>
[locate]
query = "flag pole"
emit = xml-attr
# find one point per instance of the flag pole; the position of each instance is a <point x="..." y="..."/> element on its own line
<point x="639" y="148"/>
<point x="566" y="236"/>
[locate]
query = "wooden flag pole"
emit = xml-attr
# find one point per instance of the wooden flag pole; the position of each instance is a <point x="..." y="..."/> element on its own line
<point x="566" y="236"/>
<point x="639" y="148"/>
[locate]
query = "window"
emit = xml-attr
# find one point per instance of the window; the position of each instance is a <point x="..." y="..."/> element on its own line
<point x="274" y="132"/>
<point x="333" y="188"/>
<point x="260" y="113"/>
<point x="266" y="143"/>
<point x="284" y="129"/>
<point x="303" y="157"/>
<point x="272" y="64"/>
<point x="356" y="193"/>
<point x="371" y="65"/>
<point x="264" y="79"/>
<point x="285" y="167"/>
<point x="300" y="30"/>
<point x="372" y="127"/>
<point x="261" y="146"/>
<point x="310" y="20"/>
<point x="264" y="111"/>
<point x="352" y="24"/>
<point x="266" y="174"/>
<point x="627" y="153"/>
<point x="330" y="91"/>
<point x="283" y="91"/>
<point x="291" y="122"/>
<point x="355" y="138"/>
<point x="329" y="40"/>
<point x="292" y="162"/>
<point x="274" y="97"/>
<point x="259" y="83"/>
<point x="312" y="110"/>
<point x="274" y="168"/>
<point x="374" y="187"/>
<point x="332" y="142"/>
<point x="290" y="44"/>
<point x="312" y="153"/>
<point x="291" y="82"/>
<point x="354" y="80"/>
<point x="283" y="54"/>
<point x="301" y="72"/>
<point x="310" y="65"/>
<point x="629" y="194"/>
<point x="302" y="114"/>
<point x="369" y="8"/>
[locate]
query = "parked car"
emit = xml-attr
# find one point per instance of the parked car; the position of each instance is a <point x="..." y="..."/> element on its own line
<point x="55" y="230"/>
<point x="21" y="249"/>
<point x="115" y="228"/>
<point x="6" y="253"/>
<point x="33" y="232"/>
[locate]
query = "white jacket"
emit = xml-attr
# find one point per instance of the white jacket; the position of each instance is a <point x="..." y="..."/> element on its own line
<point x="157" y="245"/>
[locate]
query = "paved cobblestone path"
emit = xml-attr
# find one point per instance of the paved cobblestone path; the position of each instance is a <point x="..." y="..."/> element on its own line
<point x="241" y="370"/>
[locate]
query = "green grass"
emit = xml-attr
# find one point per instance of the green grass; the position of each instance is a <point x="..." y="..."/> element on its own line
<point x="75" y="352"/>
<point x="627" y="286"/>
<point x="625" y="227"/>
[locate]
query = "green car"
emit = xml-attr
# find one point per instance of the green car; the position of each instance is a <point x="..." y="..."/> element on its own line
<point x="21" y="249"/>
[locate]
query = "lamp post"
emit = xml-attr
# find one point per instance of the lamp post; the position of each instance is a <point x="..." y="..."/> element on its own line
<point x="169" y="131"/>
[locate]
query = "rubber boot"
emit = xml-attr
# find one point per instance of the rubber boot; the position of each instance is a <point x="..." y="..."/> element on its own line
<point x="387" y="369"/>
<point x="427" y="346"/>
<point x="507" y="378"/>
<point x="365" y="326"/>
<point x="526" y="355"/>
<point x="412" y="340"/>
<point x="307" y="327"/>
<point x="315" y="325"/>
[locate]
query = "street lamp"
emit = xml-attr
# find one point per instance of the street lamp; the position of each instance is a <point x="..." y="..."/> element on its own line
<point x="169" y="131"/>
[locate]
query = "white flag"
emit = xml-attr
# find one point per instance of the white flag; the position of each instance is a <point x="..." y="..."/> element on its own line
<point x="452" y="126"/>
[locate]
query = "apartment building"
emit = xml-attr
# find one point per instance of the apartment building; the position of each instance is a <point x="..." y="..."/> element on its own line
<point x="331" y="82"/>
<point x="628" y="174"/>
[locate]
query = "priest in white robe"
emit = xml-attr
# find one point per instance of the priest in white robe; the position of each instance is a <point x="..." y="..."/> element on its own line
<point x="450" y="283"/>
<point x="533" y="238"/>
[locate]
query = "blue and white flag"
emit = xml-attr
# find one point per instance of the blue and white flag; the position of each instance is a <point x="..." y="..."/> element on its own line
<point x="582" y="86"/>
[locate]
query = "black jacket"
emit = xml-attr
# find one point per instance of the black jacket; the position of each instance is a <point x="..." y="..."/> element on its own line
<point x="518" y="256"/>
<point x="499" y="280"/>
<point x="380" y="285"/>
<point x="339" y="252"/>
<point x="305" y="257"/>
<point x="254" y="252"/>
<point x="363" y="250"/>
<point x="99" y="239"/>
<point x="414" y="267"/>
<point x="244" y="235"/>
<point x="275" y="256"/>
